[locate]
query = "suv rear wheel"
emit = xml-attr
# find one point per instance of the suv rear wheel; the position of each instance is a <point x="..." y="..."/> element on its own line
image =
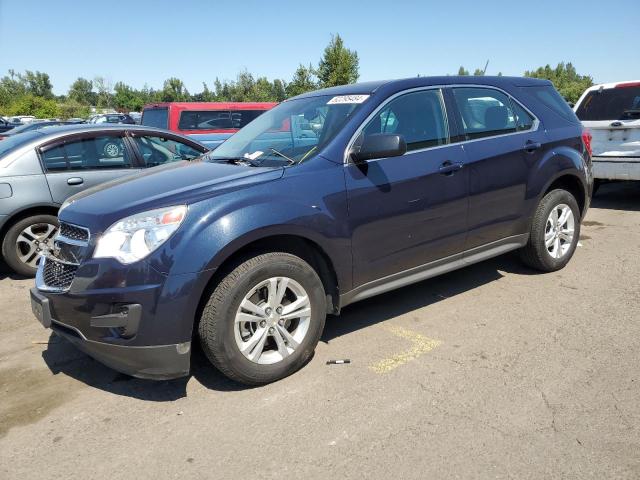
<point x="555" y="231"/>
<point x="26" y="240"/>
<point x="264" y="319"/>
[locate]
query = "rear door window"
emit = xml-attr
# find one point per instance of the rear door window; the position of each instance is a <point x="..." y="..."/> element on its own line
<point x="155" y="117"/>
<point x="485" y="112"/>
<point x="524" y="120"/>
<point x="97" y="153"/>
<point x="418" y="116"/>
<point x="216" y="119"/>
<point x="622" y="103"/>
<point x="156" y="150"/>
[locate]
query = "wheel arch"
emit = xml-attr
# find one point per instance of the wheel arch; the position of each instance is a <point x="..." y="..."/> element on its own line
<point x="302" y="246"/>
<point x="32" y="210"/>
<point x="571" y="183"/>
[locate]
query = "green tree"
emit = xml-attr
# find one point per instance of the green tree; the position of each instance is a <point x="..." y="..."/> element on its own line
<point x="126" y="98"/>
<point x="205" y="96"/>
<point x="73" y="108"/>
<point x="565" y="78"/>
<point x="12" y="87"/>
<point x="338" y="65"/>
<point x="478" y="72"/>
<point x="104" y="90"/>
<point x="279" y="90"/>
<point x="39" y="84"/>
<point x="303" y="81"/>
<point x="81" y="91"/>
<point x="173" y="90"/>
<point x="29" y="104"/>
<point x="463" y="71"/>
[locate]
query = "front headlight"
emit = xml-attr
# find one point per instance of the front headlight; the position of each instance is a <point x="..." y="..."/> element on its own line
<point x="133" y="238"/>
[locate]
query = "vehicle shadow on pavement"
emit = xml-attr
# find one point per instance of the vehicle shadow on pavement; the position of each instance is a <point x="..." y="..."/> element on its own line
<point x="62" y="357"/>
<point x="404" y="300"/>
<point x="618" y="196"/>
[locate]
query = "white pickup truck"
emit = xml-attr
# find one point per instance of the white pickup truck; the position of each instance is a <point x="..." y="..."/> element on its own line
<point x="611" y="111"/>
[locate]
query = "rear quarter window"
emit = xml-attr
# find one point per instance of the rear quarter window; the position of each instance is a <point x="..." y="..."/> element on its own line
<point x="550" y="98"/>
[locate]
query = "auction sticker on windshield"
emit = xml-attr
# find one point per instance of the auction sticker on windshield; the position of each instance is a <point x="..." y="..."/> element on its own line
<point x="347" y="99"/>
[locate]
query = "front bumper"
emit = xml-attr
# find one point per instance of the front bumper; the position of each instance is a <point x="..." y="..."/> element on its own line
<point x="157" y="362"/>
<point x="129" y="317"/>
<point x="616" y="168"/>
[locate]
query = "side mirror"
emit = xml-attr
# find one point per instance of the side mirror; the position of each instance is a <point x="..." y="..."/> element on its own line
<point x="378" y="145"/>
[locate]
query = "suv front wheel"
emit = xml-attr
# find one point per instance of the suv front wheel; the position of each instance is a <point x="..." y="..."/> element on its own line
<point x="555" y="231"/>
<point x="264" y="319"/>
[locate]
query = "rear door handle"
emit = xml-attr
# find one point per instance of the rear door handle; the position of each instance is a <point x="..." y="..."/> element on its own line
<point x="75" y="181"/>
<point x="448" y="168"/>
<point x="531" y="147"/>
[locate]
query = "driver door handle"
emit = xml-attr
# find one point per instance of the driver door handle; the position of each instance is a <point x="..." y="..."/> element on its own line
<point x="448" y="168"/>
<point x="75" y="181"/>
<point x="531" y="147"/>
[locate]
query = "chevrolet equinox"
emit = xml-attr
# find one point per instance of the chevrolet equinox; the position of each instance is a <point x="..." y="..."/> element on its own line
<point x="327" y="199"/>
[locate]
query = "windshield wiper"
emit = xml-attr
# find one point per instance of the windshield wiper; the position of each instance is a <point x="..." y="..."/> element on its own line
<point x="289" y="159"/>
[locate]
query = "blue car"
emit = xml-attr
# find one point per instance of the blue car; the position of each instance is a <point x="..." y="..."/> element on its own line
<point x="327" y="199"/>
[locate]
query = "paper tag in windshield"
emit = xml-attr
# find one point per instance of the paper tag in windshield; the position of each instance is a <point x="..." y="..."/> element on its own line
<point x="253" y="156"/>
<point x="347" y="99"/>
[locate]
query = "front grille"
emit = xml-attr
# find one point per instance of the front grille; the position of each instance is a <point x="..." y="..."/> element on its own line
<point x="73" y="232"/>
<point x="58" y="275"/>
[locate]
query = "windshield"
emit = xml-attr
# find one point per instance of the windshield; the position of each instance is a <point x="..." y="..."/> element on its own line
<point x="290" y="133"/>
<point x="622" y="103"/>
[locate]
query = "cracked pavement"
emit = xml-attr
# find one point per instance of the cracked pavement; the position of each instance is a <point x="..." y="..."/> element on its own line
<point x="529" y="376"/>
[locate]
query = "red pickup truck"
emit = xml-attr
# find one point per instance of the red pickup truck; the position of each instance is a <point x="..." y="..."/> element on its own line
<point x="211" y="123"/>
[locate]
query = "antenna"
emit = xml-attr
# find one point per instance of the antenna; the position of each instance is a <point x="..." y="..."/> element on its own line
<point x="485" y="67"/>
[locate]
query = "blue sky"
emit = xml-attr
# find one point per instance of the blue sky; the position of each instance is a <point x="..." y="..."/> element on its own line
<point x="144" y="41"/>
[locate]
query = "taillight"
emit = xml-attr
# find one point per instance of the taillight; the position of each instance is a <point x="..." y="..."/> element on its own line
<point x="586" y="139"/>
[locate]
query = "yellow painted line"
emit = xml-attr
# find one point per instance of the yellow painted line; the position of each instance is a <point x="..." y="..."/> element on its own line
<point x="421" y="345"/>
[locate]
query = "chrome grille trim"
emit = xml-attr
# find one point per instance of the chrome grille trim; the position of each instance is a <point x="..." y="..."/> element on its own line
<point x="74" y="233"/>
<point x="54" y="275"/>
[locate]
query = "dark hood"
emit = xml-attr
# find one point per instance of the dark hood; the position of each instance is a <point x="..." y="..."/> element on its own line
<point x="179" y="183"/>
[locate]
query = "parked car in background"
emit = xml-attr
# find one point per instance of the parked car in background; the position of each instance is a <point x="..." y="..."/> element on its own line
<point x="111" y="118"/>
<point x="40" y="169"/>
<point x="611" y="112"/>
<point x="5" y="125"/>
<point x="250" y="248"/>
<point x="29" y="127"/>
<point x="137" y="117"/>
<point x="23" y="119"/>
<point x="76" y="120"/>
<point x="208" y="122"/>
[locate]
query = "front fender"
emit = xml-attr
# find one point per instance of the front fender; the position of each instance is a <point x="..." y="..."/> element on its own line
<point x="310" y="205"/>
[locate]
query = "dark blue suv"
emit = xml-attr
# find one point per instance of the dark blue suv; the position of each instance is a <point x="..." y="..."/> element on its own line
<point x="330" y="198"/>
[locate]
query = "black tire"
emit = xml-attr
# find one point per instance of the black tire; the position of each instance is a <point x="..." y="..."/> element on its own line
<point x="10" y="249"/>
<point x="217" y="322"/>
<point x="597" y="183"/>
<point x="535" y="253"/>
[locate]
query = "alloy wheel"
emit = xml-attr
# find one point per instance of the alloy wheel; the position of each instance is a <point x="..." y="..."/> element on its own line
<point x="34" y="241"/>
<point x="559" y="231"/>
<point x="272" y="321"/>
